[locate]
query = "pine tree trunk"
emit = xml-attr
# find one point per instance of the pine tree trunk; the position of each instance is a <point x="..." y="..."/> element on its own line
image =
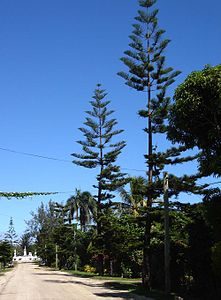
<point x="146" y="272"/>
<point x="100" y="256"/>
<point x="99" y="212"/>
<point x="111" y="267"/>
<point x="100" y="264"/>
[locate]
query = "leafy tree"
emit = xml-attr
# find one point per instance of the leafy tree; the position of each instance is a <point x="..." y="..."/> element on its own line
<point x="216" y="259"/>
<point x="121" y="245"/>
<point x="178" y="244"/>
<point x="41" y="227"/>
<point x="5" y="252"/>
<point x="51" y="225"/>
<point x="26" y="240"/>
<point x="11" y="235"/>
<point x="212" y="204"/>
<point x="195" y="118"/>
<point x="44" y="219"/>
<point x="65" y="237"/>
<point x="84" y="241"/>
<point x="199" y="254"/>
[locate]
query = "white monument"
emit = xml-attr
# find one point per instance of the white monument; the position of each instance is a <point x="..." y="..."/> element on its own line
<point x="25" y="257"/>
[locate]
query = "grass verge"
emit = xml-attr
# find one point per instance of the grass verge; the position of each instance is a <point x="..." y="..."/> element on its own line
<point x="133" y="286"/>
<point x="3" y="271"/>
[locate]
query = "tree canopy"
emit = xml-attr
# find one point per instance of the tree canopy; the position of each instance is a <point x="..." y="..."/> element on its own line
<point x="195" y="118"/>
<point x="99" y="149"/>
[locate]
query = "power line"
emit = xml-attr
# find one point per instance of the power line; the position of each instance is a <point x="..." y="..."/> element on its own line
<point x="34" y="155"/>
<point x="69" y="161"/>
<point x="137" y="170"/>
<point x="54" y="158"/>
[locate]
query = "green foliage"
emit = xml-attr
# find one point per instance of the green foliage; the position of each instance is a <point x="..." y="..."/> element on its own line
<point x="22" y="195"/>
<point x="101" y="150"/>
<point x="6" y="251"/>
<point x="212" y="203"/>
<point x="147" y="72"/>
<point x="120" y="244"/>
<point x="46" y="250"/>
<point x="65" y="237"/>
<point x="44" y="219"/>
<point x="49" y="228"/>
<point x="146" y="63"/>
<point x="98" y="148"/>
<point x="134" y="201"/>
<point x="82" y="207"/>
<point x="26" y="240"/>
<point x="11" y="235"/>
<point x="195" y="118"/>
<point x="216" y="259"/>
<point x="128" y="238"/>
<point x="41" y="228"/>
<point x="194" y="255"/>
<point x="84" y="241"/>
<point x="199" y="256"/>
<point x="179" y="221"/>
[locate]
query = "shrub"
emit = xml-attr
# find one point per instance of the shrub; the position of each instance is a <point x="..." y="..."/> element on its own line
<point x="89" y="269"/>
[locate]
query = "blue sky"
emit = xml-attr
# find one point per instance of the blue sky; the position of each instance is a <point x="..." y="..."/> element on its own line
<point x="52" y="54"/>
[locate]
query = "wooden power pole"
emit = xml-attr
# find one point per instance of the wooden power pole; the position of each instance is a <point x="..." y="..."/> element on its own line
<point x="166" y="235"/>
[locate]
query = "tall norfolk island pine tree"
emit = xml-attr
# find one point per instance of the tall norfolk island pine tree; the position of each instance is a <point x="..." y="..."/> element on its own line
<point x="99" y="151"/>
<point x="147" y="73"/>
<point x="11" y="235"/>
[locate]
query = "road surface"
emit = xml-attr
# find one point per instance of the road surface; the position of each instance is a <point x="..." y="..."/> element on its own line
<point x="29" y="282"/>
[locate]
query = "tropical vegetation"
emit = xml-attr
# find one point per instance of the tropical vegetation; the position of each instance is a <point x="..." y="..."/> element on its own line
<point x="119" y="229"/>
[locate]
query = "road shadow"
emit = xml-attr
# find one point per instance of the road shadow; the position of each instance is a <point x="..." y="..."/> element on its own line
<point x="92" y="284"/>
<point x="124" y="295"/>
<point x="49" y="273"/>
<point x="114" y="292"/>
<point x="115" y="289"/>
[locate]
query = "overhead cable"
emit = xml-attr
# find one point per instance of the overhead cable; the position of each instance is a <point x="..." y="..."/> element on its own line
<point x="54" y="158"/>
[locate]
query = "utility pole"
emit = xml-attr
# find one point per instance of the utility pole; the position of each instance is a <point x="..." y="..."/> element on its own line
<point x="75" y="251"/>
<point x="56" y="256"/>
<point x="166" y="235"/>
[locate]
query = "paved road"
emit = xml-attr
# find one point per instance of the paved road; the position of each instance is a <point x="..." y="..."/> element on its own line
<point x="29" y="282"/>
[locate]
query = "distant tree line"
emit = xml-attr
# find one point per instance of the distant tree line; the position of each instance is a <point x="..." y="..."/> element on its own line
<point x="195" y="240"/>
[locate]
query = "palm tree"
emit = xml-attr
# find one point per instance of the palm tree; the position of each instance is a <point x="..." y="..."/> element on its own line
<point x="25" y="241"/>
<point x="134" y="200"/>
<point x="82" y="207"/>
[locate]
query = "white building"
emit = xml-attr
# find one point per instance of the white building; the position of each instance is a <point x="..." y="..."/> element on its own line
<point x="25" y="257"/>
